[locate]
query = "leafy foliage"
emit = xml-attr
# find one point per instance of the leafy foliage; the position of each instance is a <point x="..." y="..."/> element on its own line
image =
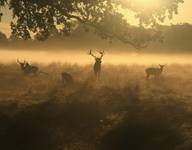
<point x="3" y="2"/>
<point x="104" y="16"/>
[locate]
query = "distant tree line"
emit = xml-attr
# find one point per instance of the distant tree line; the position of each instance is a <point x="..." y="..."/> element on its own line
<point x="175" y="38"/>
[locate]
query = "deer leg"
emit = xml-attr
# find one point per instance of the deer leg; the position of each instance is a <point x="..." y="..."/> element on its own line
<point x="95" y="72"/>
<point x="98" y="75"/>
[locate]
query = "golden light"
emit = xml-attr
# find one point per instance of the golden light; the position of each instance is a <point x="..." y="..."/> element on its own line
<point x="147" y="4"/>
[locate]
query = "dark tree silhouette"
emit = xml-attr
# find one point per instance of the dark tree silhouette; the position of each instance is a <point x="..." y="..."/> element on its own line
<point x="40" y="17"/>
<point x="3" y="2"/>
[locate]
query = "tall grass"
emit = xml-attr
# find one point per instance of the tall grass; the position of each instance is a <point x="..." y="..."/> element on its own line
<point x="121" y="111"/>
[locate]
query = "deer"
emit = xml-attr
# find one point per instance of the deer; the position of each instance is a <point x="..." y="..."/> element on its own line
<point x="98" y="61"/>
<point x="66" y="78"/>
<point x="27" y="68"/>
<point x="156" y="72"/>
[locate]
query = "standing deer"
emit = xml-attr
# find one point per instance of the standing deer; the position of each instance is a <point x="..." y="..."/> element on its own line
<point x="156" y="72"/>
<point x="27" y="68"/>
<point x="98" y="61"/>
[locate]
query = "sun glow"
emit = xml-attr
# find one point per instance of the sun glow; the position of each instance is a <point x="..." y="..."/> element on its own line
<point x="147" y="4"/>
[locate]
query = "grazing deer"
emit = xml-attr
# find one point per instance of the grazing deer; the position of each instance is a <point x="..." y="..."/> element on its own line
<point x="98" y="61"/>
<point x="66" y="78"/>
<point x="156" y="72"/>
<point x="27" y="68"/>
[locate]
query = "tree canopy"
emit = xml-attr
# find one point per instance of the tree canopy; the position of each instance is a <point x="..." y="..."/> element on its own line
<point x="105" y="17"/>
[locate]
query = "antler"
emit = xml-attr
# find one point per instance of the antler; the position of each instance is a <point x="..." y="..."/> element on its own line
<point x="24" y="62"/>
<point x="18" y="61"/>
<point x="102" y="54"/>
<point x="90" y="53"/>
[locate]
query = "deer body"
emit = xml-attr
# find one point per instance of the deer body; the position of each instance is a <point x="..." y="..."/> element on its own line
<point x="98" y="62"/>
<point x="27" y="68"/>
<point x="156" y="72"/>
<point x="97" y="67"/>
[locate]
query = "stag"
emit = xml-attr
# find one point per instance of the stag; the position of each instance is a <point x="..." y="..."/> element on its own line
<point x="27" y="68"/>
<point x="66" y="78"/>
<point x="156" y="72"/>
<point x="98" y="61"/>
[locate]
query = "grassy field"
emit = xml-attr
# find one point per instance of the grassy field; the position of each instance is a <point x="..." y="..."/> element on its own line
<point x="122" y="111"/>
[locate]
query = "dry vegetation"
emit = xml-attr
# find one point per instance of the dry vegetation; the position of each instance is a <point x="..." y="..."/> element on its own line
<point x="121" y="111"/>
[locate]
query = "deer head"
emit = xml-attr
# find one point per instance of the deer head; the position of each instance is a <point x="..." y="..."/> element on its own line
<point x="162" y="66"/>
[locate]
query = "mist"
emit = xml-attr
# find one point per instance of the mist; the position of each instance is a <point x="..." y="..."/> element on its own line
<point x="175" y="49"/>
<point x="81" y="57"/>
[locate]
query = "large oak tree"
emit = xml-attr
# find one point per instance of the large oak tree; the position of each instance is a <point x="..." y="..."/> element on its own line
<point x="105" y="17"/>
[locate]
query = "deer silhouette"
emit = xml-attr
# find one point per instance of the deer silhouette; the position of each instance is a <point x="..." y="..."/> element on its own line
<point x="27" y="68"/>
<point x="97" y="65"/>
<point x="156" y="72"/>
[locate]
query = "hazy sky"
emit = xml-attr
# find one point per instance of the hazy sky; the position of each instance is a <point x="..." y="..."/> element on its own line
<point x="184" y="16"/>
<point x="185" y="13"/>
